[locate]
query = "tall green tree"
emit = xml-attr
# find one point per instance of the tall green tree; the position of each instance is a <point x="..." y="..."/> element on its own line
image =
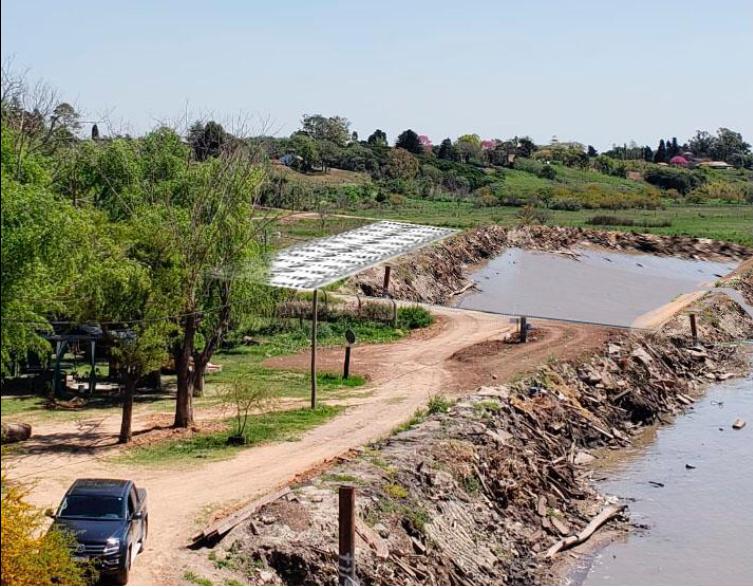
<point x="409" y="140"/>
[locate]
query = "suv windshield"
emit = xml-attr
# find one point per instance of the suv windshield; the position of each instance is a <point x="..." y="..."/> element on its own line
<point x="92" y="506"/>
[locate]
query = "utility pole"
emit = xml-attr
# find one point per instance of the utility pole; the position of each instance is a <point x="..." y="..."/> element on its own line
<point x="314" y="320"/>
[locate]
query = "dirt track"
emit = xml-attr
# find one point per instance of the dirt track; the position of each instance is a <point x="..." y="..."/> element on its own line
<point x="402" y="377"/>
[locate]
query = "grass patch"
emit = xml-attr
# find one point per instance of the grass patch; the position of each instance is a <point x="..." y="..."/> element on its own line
<point x="729" y="222"/>
<point x="195" y="579"/>
<point x="396" y="491"/>
<point x="283" y="425"/>
<point x="438" y="404"/>
<point x="417" y="417"/>
<point x="341" y="478"/>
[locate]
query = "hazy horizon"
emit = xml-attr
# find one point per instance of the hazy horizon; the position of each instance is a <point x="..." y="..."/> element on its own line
<point x="594" y="72"/>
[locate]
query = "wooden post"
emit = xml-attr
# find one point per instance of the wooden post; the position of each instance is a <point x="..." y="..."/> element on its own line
<point x="523" y="329"/>
<point x="346" y="568"/>
<point x="314" y="319"/>
<point x="387" y="273"/>
<point x="693" y="328"/>
<point x="93" y="364"/>
<point x="346" y="366"/>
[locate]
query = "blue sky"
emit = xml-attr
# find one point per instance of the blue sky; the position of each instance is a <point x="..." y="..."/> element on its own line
<point x="594" y="71"/>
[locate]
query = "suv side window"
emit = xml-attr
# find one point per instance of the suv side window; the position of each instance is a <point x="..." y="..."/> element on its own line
<point x="131" y="508"/>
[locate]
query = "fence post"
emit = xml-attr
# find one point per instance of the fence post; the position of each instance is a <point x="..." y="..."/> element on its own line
<point x="386" y="283"/>
<point x="693" y="328"/>
<point x="314" y="316"/>
<point x="523" y="329"/>
<point x="346" y="569"/>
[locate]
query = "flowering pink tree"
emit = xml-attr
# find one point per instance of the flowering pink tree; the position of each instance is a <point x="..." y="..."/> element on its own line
<point x="489" y="144"/>
<point x="425" y="143"/>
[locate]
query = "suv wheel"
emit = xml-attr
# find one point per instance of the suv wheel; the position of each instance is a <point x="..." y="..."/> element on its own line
<point x="121" y="577"/>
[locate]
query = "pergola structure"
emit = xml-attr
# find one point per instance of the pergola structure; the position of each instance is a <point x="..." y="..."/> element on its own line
<point x="321" y="262"/>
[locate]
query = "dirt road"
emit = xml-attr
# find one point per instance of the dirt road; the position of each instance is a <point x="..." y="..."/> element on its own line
<point x="402" y="377"/>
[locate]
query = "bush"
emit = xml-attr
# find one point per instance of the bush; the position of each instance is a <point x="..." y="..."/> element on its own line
<point x="668" y="178"/>
<point x="414" y="317"/>
<point x="606" y="220"/>
<point x="529" y="214"/>
<point x="29" y="555"/>
<point x="548" y="172"/>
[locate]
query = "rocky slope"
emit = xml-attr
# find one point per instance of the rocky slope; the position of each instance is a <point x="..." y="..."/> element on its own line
<point x="475" y="493"/>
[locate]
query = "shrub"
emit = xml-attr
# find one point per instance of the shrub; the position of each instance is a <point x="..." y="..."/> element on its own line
<point x="438" y="404"/>
<point x="667" y="178"/>
<point x="529" y="214"/>
<point x="29" y="555"/>
<point x="548" y="172"/>
<point x="606" y="220"/>
<point x="414" y="317"/>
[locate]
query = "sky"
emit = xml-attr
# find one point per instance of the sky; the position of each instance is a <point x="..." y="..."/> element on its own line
<point x="599" y="72"/>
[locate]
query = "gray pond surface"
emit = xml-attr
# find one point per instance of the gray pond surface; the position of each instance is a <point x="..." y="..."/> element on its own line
<point x="700" y="523"/>
<point x="602" y="286"/>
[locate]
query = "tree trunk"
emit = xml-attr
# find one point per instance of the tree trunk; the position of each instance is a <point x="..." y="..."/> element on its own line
<point x="199" y="369"/>
<point x="183" y="403"/>
<point x="127" y="419"/>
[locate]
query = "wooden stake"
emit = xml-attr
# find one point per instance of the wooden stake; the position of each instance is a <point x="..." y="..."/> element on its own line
<point x="346" y="569"/>
<point x="314" y="320"/>
<point x="346" y="366"/>
<point x="523" y="329"/>
<point x="693" y="328"/>
<point x="387" y="273"/>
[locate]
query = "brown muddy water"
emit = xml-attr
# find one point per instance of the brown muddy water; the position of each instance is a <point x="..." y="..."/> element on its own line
<point x="600" y="286"/>
<point x="699" y="525"/>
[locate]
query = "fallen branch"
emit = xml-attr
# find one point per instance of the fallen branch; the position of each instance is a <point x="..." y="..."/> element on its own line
<point x="223" y="526"/>
<point x="464" y="289"/>
<point x="604" y="516"/>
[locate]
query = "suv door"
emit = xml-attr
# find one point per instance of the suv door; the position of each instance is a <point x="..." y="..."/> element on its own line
<point x="135" y="524"/>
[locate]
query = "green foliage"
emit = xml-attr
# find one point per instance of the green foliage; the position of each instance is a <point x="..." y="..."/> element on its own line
<point x="31" y="556"/>
<point x="438" y="404"/>
<point x="414" y="317"/>
<point x="670" y="178"/>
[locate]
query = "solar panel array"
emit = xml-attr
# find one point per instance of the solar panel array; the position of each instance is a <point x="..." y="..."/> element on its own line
<point x="320" y="262"/>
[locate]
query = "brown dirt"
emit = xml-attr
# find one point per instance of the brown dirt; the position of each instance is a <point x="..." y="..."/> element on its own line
<point x="470" y="496"/>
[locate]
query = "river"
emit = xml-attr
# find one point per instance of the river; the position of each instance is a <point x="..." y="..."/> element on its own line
<point x="600" y="286"/>
<point x="699" y="524"/>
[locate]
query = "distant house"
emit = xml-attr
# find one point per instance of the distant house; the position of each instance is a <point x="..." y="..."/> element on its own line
<point x="679" y="161"/>
<point x="715" y="164"/>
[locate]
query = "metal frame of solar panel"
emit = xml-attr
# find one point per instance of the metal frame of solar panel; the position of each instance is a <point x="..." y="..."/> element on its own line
<point x="315" y="264"/>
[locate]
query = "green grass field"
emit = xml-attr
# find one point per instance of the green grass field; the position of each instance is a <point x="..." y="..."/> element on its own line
<point x="732" y="223"/>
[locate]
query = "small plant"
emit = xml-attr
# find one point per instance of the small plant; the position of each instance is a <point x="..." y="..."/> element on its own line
<point x="396" y="491"/>
<point x="417" y="417"/>
<point x="438" y="404"/>
<point x="192" y="577"/>
<point x="529" y="215"/>
<point x="471" y="484"/>
<point x="244" y="397"/>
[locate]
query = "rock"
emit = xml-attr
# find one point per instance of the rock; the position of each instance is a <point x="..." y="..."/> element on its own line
<point x="738" y="424"/>
<point x="15" y="432"/>
<point x="382" y="530"/>
<point x="267" y="520"/>
<point x="560" y="526"/>
<point x="642" y="356"/>
<point x="583" y="458"/>
<point x="500" y="437"/>
<point x="541" y="508"/>
<point x="266" y="577"/>
<point x="725" y="376"/>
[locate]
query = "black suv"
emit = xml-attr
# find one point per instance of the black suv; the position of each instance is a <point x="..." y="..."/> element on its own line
<point x="109" y="519"/>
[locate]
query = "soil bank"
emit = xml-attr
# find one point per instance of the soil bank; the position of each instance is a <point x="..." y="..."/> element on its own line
<point x="475" y="493"/>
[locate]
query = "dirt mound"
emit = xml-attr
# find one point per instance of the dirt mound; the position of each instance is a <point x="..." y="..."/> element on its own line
<point x="437" y="274"/>
<point x="474" y="495"/>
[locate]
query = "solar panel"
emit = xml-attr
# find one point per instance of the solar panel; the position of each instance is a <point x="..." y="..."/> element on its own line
<point x="320" y="262"/>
